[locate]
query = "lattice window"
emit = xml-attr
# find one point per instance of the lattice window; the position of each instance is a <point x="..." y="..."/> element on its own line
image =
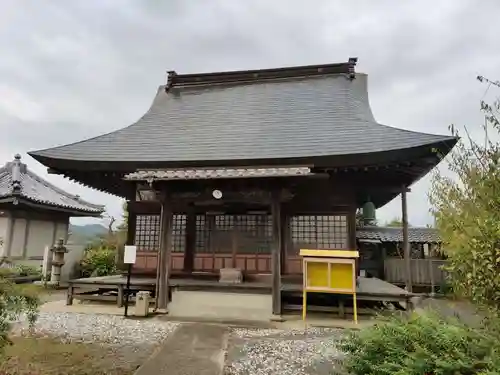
<point x="224" y="222"/>
<point x="254" y="234"/>
<point x="251" y="233"/>
<point x="201" y="234"/>
<point x="179" y="233"/>
<point x="147" y="232"/>
<point x="319" y="232"/>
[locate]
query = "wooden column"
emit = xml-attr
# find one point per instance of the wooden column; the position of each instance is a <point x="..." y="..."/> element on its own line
<point x="276" y="253"/>
<point x="131" y="224"/>
<point x="190" y="240"/>
<point x="285" y="232"/>
<point x="165" y="253"/>
<point x="351" y="227"/>
<point x="131" y="215"/>
<point x="406" y="243"/>
<point x="10" y="235"/>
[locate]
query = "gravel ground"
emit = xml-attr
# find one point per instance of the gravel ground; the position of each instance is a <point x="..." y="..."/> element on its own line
<point x="284" y="352"/>
<point x="111" y="344"/>
<point x="107" y="329"/>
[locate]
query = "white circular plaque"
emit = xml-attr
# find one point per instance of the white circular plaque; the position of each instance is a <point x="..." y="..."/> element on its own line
<point x="217" y="194"/>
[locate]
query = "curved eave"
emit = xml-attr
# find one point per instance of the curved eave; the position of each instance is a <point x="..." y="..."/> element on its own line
<point x="405" y="168"/>
<point x="71" y="211"/>
<point x="442" y="145"/>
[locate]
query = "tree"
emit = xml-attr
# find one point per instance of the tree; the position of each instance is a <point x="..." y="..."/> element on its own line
<point x="395" y="222"/>
<point x="116" y="235"/>
<point x="466" y="207"/>
<point x="104" y="256"/>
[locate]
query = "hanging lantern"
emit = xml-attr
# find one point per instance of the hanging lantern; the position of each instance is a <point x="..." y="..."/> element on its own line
<point x="369" y="216"/>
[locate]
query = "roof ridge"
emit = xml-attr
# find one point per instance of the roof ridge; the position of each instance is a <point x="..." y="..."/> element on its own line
<point x="48" y="184"/>
<point x="256" y="75"/>
<point x="17" y="180"/>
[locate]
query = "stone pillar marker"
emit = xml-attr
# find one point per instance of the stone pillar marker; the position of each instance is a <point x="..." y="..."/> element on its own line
<point x="47" y="263"/>
<point x="58" y="251"/>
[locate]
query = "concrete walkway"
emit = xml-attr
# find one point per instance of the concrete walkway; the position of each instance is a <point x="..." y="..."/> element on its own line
<point x="193" y="349"/>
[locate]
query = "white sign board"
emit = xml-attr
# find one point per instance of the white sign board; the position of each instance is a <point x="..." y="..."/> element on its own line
<point x="129" y="254"/>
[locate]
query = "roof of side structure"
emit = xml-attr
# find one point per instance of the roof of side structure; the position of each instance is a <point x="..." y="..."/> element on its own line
<point x="285" y="113"/>
<point x="395" y="234"/>
<point x="18" y="182"/>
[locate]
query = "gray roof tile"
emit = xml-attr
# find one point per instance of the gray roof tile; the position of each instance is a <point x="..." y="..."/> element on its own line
<point x="292" y="117"/>
<point x="16" y="180"/>
<point x="395" y="234"/>
<point x="206" y="173"/>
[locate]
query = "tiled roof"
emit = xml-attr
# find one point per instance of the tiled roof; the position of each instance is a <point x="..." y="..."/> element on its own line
<point x="395" y="234"/>
<point x="270" y="114"/>
<point x="197" y="174"/>
<point x="17" y="181"/>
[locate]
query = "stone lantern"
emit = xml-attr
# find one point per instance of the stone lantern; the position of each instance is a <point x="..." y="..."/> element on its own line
<point x="58" y="251"/>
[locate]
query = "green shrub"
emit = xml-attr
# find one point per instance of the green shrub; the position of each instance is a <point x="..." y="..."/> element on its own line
<point x="14" y="301"/>
<point x="98" y="261"/>
<point x="8" y="272"/>
<point x="20" y="270"/>
<point x="423" y="344"/>
<point x="24" y="270"/>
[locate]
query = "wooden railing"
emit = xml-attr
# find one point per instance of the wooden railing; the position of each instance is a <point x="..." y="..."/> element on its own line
<point x="426" y="272"/>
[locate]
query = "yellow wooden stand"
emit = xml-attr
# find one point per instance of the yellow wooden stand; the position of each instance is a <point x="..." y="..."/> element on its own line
<point x="329" y="271"/>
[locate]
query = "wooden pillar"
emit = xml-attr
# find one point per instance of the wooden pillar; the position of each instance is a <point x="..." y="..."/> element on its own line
<point x="165" y="253"/>
<point x="190" y="240"/>
<point x="285" y="232"/>
<point x="131" y="224"/>
<point x="406" y="242"/>
<point x="351" y="227"/>
<point x="131" y="215"/>
<point x="276" y="253"/>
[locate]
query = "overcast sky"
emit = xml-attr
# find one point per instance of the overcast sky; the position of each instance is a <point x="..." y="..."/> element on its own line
<point x="70" y="70"/>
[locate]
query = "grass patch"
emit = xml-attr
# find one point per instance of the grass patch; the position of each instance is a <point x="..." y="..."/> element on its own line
<point x="50" y="356"/>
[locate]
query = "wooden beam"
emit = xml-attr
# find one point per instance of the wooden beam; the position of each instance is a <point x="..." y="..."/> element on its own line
<point x="144" y="207"/>
<point x="163" y="266"/>
<point x="276" y="254"/>
<point x="406" y="242"/>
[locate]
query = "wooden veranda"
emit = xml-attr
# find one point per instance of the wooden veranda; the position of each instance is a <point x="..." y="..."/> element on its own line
<point x="112" y="289"/>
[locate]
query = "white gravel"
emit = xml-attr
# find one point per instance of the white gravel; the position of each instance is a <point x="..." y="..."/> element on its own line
<point x="109" y="329"/>
<point x="284" y="352"/>
<point x="266" y="332"/>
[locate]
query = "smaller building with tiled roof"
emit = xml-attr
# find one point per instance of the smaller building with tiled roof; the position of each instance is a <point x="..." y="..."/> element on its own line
<point x="382" y="254"/>
<point x="395" y="234"/>
<point x="34" y="213"/>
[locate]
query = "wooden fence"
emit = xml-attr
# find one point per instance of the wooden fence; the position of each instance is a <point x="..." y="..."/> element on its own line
<point x="425" y="272"/>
